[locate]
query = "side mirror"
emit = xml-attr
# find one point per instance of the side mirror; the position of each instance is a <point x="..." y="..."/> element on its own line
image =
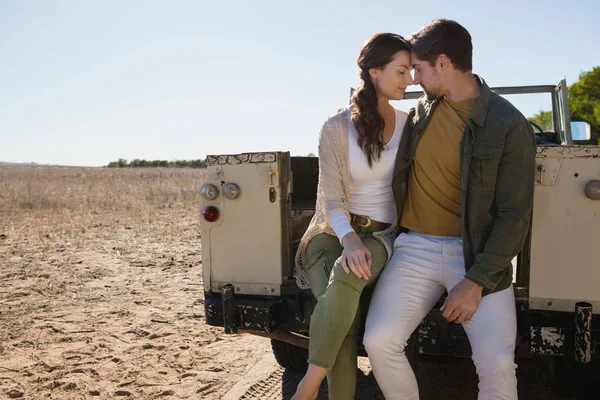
<point x="581" y="130"/>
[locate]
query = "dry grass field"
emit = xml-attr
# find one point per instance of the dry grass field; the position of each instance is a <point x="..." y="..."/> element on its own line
<point x="101" y="288"/>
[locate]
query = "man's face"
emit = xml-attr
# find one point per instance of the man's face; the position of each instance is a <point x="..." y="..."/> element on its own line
<point x="428" y="77"/>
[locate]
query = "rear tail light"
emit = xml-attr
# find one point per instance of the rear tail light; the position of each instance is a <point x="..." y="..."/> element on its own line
<point x="593" y="190"/>
<point x="210" y="213"/>
<point x="231" y="191"/>
<point x="209" y="192"/>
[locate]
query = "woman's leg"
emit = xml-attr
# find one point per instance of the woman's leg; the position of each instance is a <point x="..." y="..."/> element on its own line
<point x="334" y="324"/>
<point x="341" y="380"/>
<point x="336" y="309"/>
<point x="321" y="253"/>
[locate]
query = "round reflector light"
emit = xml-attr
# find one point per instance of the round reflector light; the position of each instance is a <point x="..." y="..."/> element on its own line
<point x="210" y="213"/>
<point x="231" y="191"/>
<point x="209" y="192"/>
<point x="593" y="190"/>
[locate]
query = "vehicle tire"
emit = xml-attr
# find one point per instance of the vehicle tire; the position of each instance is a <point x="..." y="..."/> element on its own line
<point x="439" y="381"/>
<point x="568" y="378"/>
<point x="290" y="357"/>
<point x="561" y="375"/>
<point x="533" y="381"/>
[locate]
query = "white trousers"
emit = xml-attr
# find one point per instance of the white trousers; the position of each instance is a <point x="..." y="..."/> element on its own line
<point x="419" y="272"/>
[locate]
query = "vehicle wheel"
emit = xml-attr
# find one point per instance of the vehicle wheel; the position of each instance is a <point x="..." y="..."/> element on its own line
<point x="533" y="381"/>
<point x="439" y="381"/>
<point x="568" y="378"/>
<point x="561" y="375"/>
<point x="290" y="357"/>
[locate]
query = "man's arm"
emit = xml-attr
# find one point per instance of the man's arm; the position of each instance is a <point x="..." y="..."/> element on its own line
<point x="514" y="201"/>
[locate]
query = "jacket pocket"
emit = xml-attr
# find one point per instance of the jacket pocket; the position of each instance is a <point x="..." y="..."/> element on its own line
<point x="313" y="259"/>
<point x="486" y="160"/>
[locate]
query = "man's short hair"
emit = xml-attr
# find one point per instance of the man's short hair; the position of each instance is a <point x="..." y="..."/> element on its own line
<point x="444" y="36"/>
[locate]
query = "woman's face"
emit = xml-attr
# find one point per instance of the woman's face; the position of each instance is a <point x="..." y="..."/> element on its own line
<point x="392" y="79"/>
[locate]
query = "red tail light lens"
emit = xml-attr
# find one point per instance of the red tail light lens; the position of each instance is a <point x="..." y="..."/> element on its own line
<point x="210" y="213"/>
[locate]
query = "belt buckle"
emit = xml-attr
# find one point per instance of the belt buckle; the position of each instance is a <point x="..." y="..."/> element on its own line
<point x="368" y="224"/>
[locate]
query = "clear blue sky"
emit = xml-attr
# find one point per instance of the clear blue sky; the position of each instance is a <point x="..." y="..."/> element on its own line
<point x="88" y="82"/>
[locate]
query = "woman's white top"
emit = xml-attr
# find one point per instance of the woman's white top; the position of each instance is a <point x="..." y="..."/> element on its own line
<point x="370" y="190"/>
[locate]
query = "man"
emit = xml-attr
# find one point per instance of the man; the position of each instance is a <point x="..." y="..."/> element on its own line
<point x="464" y="194"/>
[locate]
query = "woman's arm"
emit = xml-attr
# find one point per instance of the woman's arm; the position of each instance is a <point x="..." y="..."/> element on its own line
<point x="331" y="195"/>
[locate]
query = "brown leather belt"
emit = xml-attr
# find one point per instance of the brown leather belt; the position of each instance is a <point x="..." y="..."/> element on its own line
<point x="367" y="222"/>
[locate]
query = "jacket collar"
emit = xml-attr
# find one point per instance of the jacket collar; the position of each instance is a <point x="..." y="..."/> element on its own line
<point x="479" y="113"/>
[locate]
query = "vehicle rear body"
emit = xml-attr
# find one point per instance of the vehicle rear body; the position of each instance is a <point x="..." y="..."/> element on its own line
<point x="248" y="252"/>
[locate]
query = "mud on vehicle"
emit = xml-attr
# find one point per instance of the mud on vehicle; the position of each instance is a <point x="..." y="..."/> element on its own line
<point x="256" y="207"/>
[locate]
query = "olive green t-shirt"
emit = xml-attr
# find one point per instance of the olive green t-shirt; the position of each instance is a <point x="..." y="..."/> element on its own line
<point x="432" y="206"/>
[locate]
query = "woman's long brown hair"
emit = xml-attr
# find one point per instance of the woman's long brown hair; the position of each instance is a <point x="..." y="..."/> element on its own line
<point x="369" y="123"/>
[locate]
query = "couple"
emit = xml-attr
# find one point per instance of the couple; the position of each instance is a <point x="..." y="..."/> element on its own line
<point x="455" y="178"/>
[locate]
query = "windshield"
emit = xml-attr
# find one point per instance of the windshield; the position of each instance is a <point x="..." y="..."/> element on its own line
<point x="536" y="107"/>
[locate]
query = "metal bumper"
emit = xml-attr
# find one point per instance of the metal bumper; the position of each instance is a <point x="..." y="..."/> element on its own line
<point x="574" y="335"/>
<point x="565" y="334"/>
<point x="260" y="315"/>
<point x="236" y="312"/>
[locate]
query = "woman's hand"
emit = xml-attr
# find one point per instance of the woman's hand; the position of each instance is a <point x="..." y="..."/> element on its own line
<point x="355" y="256"/>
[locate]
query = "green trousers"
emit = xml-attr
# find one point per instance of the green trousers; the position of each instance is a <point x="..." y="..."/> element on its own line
<point x="335" y="322"/>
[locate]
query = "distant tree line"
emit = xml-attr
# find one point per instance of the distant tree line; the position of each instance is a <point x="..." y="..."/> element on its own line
<point x="122" y="163"/>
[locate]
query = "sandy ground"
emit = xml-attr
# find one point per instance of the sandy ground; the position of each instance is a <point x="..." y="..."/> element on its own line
<point x="121" y="315"/>
<point x="109" y="304"/>
<point x="101" y="298"/>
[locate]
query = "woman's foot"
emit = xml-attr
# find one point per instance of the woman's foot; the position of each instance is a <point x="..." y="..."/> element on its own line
<point x="304" y="393"/>
<point x="308" y="388"/>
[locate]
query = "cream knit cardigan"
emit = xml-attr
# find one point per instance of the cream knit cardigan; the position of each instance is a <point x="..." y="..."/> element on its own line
<point x="332" y="189"/>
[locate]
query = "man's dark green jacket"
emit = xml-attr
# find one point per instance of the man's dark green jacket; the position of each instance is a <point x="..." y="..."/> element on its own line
<point x="497" y="179"/>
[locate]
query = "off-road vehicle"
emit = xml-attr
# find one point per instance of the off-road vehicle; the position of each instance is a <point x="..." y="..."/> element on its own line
<point x="256" y="207"/>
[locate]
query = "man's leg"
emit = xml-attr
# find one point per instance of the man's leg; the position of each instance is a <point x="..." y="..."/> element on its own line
<point x="409" y="286"/>
<point x="492" y="331"/>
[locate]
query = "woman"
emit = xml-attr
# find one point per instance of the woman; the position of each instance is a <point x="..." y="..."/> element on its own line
<point x="350" y="238"/>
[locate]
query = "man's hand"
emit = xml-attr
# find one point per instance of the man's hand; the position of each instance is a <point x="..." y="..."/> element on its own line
<point x="355" y="256"/>
<point x="462" y="301"/>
